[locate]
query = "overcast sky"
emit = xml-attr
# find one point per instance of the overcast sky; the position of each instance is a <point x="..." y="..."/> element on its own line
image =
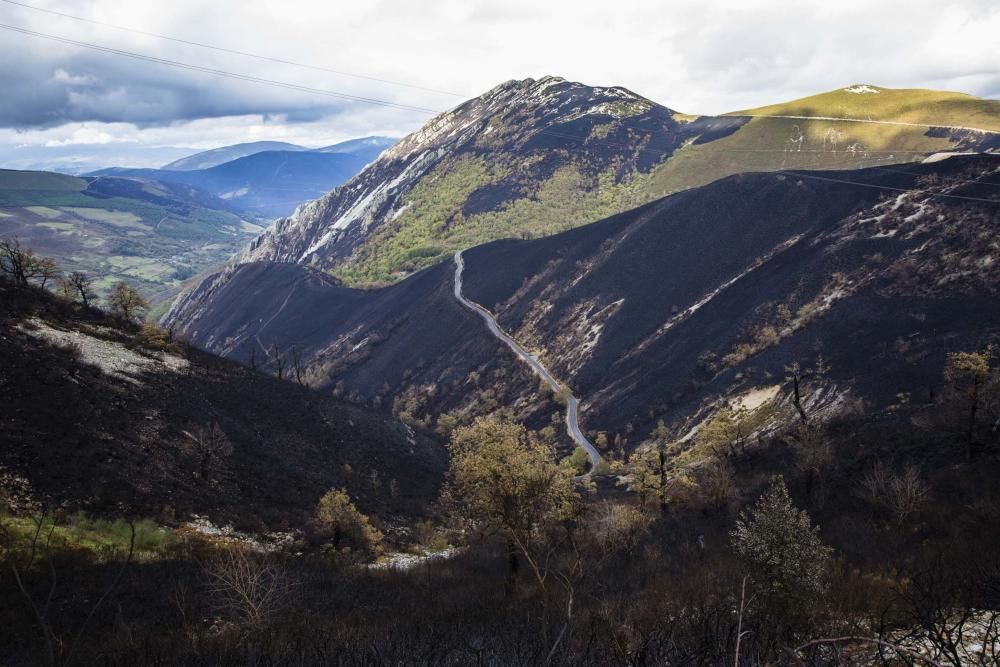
<point x="698" y="56"/>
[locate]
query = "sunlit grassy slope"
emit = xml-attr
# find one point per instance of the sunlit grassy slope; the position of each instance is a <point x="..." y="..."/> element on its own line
<point x="769" y="144"/>
<point x="907" y="105"/>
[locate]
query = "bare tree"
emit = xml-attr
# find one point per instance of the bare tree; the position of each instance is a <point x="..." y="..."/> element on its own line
<point x="47" y="270"/>
<point x="19" y="263"/>
<point x="278" y="359"/>
<point x="210" y="445"/>
<point x="795" y="373"/>
<point x="902" y="494"/>
<point x="251" y="589"/>
<point x="297" y="367"/>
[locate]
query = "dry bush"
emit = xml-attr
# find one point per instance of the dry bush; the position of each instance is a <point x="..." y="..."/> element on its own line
<point x="901" y="494"/>
<point x="619" y="527"/>
<point x="153" y="337"/>
<point x="248" y="589"/>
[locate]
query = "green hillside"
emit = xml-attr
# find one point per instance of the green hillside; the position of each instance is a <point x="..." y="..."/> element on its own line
<point x="493" y="188"/>
<point x="782" y="141"/>
<point x="152" y="235"/>
<point x="903" y="105"/>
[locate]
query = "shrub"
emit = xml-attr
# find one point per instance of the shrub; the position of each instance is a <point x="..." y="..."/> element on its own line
<point x="781" y="548"/>
<point x="347" y="529"/>
<point x="153" y="337"/>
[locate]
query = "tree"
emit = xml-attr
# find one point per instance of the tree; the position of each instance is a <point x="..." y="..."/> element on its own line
<point x="210" y="445"/>
<point x="577" y="461"/>
<point x="781" y="548"/>
<point x="19" y="263"/>
<point x="347" y="527"/>
<point x="127" y="303"/>
<point x="974" y="384"/>
<point x="503" y="481"/>
<point x="649" y="469"/>
<point x="251" y="589"/>
<point x="47" y="270"/>
<point x="79" y="284"/>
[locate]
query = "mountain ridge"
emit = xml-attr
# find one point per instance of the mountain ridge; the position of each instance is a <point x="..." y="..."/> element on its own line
<point x="530" y="158"/>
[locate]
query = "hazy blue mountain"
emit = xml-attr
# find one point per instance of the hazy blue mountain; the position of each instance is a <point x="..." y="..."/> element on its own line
<point x="370" y="147"/>
<point x="268" y="184"/>
<point x="79" y="159"/>
<point x="216" y="156"/>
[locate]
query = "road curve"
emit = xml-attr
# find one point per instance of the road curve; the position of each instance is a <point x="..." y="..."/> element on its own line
<point x="572" y="403"/>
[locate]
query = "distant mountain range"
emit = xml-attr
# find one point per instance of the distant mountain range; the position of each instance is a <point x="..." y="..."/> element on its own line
<point x="77" y="159"/>
<point x="266" y="179"/>
<point x="217" y="156"/>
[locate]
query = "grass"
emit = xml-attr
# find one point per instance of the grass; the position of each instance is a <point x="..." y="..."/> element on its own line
<point x="112" y="217"/>
<point x="908" y="105"/>
<point x="44" y="211"/>
<point x="58" y="226"/>
<point x="769" y="144"/>
<point x="433" y="225"/>
<point x="104" y="539"/>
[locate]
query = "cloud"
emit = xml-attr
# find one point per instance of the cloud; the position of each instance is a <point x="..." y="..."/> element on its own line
<point x="699" y="56"/>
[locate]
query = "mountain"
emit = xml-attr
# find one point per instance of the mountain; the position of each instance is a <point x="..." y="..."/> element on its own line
<point x="528" y="157"/>
<point x="154" y="235"/>
<point x="223" y="154"/>
<point x="657" y="312"/>
<point x="892" y="105"/>
<point x="369" y="147"/>
<point x="531" y="158"/>
<point x="266" y="184"/>
<point x="78" y="159"/>
<point x="98" y="417"/>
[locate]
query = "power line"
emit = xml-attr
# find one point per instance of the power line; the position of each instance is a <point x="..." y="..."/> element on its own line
<point x="889" y="187"/>
<point x="219" y="72"/>
<point x="222" y="49"/>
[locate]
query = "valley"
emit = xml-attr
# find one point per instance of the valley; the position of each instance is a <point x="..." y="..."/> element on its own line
<point x="552" y="374"/>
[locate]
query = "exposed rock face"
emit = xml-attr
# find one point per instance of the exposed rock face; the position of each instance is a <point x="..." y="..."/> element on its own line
<point x="524" y="131"/>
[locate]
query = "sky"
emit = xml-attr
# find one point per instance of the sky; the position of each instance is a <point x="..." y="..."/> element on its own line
<point x="695" y="56"/>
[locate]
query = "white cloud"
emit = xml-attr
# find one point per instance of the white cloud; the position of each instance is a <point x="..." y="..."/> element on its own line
<point x="700" y="56"/>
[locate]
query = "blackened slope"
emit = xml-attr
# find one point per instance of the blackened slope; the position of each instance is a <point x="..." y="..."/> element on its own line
<point x="633" y="277"/>
<point x="374" y="345"/>
<point x="96" y="440"/>
<point x="651" y="313"/>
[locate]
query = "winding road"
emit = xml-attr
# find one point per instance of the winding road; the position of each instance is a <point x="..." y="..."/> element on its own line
<point x="572" y="403"/>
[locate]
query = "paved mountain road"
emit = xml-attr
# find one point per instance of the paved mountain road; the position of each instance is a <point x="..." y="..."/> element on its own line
<point x="572" y="403"/>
